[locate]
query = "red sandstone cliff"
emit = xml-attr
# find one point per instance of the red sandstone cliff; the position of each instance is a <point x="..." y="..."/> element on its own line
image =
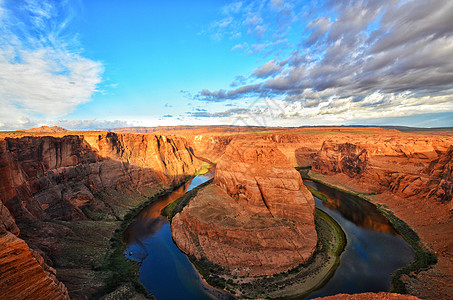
<point x="258" y="217"/>
<point x="411" y="169"/>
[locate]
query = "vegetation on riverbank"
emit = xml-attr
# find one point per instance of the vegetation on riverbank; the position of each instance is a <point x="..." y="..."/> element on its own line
<point x="424" y="258"/>
<point x="177" y="206"/>
<point x="318" y="194"/>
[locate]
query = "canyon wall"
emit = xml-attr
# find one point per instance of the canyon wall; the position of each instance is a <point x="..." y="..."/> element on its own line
<point x="418" y="169"/>
<point x="256" y="219"/>
<point x="56" y="189"/>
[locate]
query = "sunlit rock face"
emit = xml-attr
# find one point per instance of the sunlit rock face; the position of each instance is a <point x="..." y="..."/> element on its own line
<point x="23" y="273"/>
<point x="258" y="217"/>
<point x="409" y="168"/>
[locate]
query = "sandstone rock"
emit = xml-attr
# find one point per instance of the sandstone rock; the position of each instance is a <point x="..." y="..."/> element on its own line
<point x="347" y="158"/>
<point x="257" y="219"/>
<point x="46" y="129"/>
<point x="440" y="173"/>
<point x="7" y="222"/>
<point x="22" y="276"/>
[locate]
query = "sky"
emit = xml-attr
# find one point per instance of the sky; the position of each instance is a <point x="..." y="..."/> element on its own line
<point x="84" y="64"/>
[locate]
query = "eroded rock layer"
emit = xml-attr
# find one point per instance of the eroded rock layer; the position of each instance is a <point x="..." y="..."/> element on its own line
<point x="258" y="217"/>
<point x="23" y="273"/>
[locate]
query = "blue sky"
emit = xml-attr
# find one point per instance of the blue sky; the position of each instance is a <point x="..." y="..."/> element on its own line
<point x="99" y="64"/>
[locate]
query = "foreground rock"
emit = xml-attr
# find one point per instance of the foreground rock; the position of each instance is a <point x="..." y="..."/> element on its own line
<point x="23" y="273"/>
<point x="258" y="218"/>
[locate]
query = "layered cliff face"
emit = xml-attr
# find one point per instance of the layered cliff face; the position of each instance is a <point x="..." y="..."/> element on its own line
<point x="346" y="158"/>
<point x="48" y="183"/>
<point x="369" y="296"/>
<point x="258" y="217"/>
<point x="23" y="273"/>
<point x="440" y="172"/>
<point x="419" y="169"/>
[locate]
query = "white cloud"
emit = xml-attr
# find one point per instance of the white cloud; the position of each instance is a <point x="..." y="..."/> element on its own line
<point x="41" y="75"/>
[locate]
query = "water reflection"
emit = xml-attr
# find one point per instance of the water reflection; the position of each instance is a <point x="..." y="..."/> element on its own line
<point x="354" y="209"/>
<point x="373" y="251"/>
<point x="149" y="221"/>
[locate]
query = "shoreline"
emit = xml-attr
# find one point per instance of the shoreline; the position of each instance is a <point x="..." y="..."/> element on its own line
<point x="424" y="257"/>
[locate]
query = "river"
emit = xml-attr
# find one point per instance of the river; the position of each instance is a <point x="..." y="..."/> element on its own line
<point x="373" y="251"/>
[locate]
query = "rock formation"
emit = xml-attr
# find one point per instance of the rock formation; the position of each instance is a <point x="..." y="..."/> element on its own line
<point x="346" y="158"/>
<point x="23" y="273"/>
<point x="50" y="180"/>
<point x="440" y="172"/>
<point x="258" y="217"/>
<point x="394" y="167"/>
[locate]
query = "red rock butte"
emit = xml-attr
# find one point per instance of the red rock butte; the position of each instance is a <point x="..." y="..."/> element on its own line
<point x="258" y="217"/>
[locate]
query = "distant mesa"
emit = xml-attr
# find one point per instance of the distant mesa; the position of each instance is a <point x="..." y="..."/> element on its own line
<point x="53" y="129"/>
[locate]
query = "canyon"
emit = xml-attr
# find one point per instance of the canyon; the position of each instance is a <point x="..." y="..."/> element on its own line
<point x="64" y="194"/>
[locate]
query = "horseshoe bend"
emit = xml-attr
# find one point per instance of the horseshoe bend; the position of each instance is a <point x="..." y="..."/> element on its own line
<point x="67" y="195"/>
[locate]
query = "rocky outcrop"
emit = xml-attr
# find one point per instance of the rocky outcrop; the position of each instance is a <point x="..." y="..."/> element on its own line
<point x="258" y="217"/>
<point x="56" y="178"/>
<point x="46" y="129"/>
<point x="23" y="273"/>
<point x="7" y="223"/>
<point x="418" y="170"/>
<point x="440" y="172"/>
<point x="346" y="158"/>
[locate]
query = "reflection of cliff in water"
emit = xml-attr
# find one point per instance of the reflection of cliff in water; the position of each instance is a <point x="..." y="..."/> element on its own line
<point x="353" y="208"/>
<point x="149" y="221"/>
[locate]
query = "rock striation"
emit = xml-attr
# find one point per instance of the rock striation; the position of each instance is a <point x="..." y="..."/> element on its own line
<point x="418" y="170"/>
<point x="23" y="273"/>
<point x="258" y="217"/>
<point x="440" y="172"/>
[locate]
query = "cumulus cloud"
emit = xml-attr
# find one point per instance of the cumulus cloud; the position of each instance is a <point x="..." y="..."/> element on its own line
<point x="42" y="73"/>
<point x="362" y="58"/>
